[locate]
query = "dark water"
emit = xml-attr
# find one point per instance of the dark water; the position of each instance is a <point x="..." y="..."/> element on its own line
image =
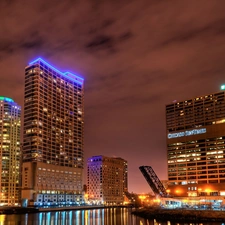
<point x="116" y="216"/>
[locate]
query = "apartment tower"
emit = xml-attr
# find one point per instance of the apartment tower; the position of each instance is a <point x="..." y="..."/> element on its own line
<point x="196" y="146"/>
<point x="107" y="180"/>
<point x="9" y="151"/>
<point x="52" y="163"/>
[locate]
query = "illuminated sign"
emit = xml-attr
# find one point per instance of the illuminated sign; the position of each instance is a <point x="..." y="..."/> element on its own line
<point x="186" y="133"/>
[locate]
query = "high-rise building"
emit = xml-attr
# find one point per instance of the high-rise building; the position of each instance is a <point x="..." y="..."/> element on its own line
<point x="9" y="151"/>
<point x="107" y="180"/>
<point x="196" y="146"/>
<point x="52" y="163"/>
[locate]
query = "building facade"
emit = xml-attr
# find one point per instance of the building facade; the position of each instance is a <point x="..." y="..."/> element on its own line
<point x="196" y="146"/>
<point x="107" y="180"/>
<point x="52" y="163"/>
<point x="10" y="123"/>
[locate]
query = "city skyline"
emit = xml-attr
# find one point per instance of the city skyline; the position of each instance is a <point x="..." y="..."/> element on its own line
<point x="135" y="58"/>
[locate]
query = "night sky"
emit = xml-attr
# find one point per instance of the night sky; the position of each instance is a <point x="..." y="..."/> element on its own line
<point x="135" y="56"/>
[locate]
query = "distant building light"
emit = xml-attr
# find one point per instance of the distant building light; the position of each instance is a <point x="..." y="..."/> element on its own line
<point x="222" y="87"/>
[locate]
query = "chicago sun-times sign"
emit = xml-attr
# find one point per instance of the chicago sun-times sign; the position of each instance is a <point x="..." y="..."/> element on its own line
<point x="186" y="133"/>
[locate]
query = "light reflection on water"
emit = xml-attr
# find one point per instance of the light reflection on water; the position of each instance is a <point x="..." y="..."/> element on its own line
<point x="110" y="216"/>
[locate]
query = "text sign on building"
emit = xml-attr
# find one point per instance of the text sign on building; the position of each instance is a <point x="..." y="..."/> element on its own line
<point x="186" y="133"/>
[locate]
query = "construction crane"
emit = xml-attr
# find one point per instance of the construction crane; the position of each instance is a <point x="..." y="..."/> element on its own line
<point x="153" y="181"/>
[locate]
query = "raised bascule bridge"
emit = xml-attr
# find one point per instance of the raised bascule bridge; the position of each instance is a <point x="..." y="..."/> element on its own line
<point x="158" y="188"/>
<point x="153" y="181"/>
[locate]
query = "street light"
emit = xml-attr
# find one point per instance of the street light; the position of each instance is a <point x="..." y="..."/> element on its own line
<point x="168" y="191"/>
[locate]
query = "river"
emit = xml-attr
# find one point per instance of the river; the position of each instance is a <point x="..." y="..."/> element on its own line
<point x="109" y="216"/>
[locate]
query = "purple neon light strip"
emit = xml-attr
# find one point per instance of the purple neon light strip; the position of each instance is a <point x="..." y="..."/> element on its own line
<point x="63" y="74"/>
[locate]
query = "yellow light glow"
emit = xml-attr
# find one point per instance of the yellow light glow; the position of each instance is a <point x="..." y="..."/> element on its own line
<point x="156" y="200"/>
<point x="2" y="219"/>
<point x="142" y="197"/>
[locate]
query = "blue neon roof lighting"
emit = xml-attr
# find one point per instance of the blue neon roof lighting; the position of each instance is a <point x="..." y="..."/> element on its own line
<point x="68" y="75"/>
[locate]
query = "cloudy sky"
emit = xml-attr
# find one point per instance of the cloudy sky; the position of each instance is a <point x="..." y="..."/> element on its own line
<point x="136" y="56"/>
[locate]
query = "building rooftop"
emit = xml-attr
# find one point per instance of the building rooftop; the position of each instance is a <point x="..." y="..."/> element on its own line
<point x="6" y="99"/>
<point x="68" y="75"/>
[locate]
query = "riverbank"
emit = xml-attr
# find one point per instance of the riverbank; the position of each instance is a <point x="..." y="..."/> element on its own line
<point x="180" y="215"/>
<point x="17" y="210"/>
<point x="23" y="210"/>
<point x="65" y="208"/>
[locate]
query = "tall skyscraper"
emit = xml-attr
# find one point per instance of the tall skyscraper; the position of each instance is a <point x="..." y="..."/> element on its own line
<point x="107" y="180"/>
<point x="196" y="146"/>
<point x="52" y="163"/>
<point x="9" y="151"/>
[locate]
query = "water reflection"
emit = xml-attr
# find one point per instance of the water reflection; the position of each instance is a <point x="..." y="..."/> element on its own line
<point x="110" y="216"/>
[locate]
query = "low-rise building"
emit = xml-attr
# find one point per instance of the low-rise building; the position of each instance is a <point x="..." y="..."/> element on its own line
<point x="107" y="180"/>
